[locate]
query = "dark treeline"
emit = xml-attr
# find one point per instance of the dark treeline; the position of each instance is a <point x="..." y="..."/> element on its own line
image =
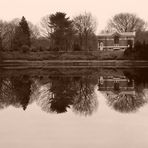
<point x="140" y="50"/>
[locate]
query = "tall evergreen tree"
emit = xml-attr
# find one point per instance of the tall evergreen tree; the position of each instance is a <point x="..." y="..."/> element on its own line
<point x="62" y="31"/>
<point x="22" y="34"/>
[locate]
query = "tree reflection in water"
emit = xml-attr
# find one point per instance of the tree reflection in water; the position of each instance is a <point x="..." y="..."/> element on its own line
<point x="15" y="91"/>
<point x="85" y="101"/>
<point x="60" y="93"/>
<point x="126" y="103"/>
<point x="63" y="91"/>
<point x="52" y="94"/>
<point x="56" y="95"/>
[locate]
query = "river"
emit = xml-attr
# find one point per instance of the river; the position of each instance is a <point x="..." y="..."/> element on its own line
<point x="74" y="107"/>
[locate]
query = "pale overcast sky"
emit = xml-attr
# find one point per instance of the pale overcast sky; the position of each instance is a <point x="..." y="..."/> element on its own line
<point x="33" y="10"/>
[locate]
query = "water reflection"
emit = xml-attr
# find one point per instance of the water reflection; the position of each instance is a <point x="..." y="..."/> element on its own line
<point x="61" y="93"/>
<point x="56" y="95"/>
<point x="85" y="100"/>
<point x="125" y="90"/>
<point x="126" y="102"/>
<point x="15" y="91"/>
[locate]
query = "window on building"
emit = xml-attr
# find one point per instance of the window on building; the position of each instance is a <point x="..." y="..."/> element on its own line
<point x="116" y="40"/>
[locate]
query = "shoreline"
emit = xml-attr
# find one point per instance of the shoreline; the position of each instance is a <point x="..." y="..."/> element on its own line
<point x="20" y="64"/>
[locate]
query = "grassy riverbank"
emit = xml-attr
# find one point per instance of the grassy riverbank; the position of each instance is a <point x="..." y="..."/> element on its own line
<point x="75" y="55"/>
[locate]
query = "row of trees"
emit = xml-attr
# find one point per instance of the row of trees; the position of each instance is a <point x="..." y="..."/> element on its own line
<point x="59" y="32"/>
<point x="17" y="33"/>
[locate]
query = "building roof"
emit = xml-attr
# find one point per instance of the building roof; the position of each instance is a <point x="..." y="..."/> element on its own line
<point x="124" y="34"/>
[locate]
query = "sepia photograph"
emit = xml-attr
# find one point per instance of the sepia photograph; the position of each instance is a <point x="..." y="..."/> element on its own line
<point x="73" y="74"/>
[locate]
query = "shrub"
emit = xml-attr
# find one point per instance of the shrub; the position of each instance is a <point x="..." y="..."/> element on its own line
<point x="25" y="48"/>
<point x="77" y="47"/>
<point x="33" y="49"/>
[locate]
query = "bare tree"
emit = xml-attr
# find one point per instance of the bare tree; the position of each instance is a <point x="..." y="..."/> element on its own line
<point x="85" y="26"/>
<point x="34" y="30"/>
<point x="1" y="28"/>
<point x="6" y="33"/>
<point x="45" y="26"/>
<point x="85" y="99"/>
<point x="126" y="22"/>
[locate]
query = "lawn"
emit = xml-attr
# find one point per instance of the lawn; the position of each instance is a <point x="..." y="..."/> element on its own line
<point x="75" y="55"/>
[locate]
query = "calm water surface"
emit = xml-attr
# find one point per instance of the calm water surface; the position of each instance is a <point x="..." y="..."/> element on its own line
<point x="69" y="108"/>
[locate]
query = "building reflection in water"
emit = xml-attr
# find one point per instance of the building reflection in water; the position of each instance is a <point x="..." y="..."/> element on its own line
<point x="121" y="93"/>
